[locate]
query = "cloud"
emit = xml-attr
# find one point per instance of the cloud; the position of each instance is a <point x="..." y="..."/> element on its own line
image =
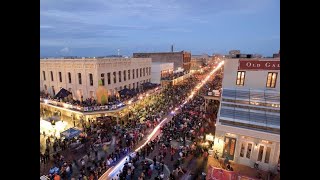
<point x="65" y="50"/>
<point x="46" y="27"/>
<point x="107" y="23"/>
<point x="177" y="29"/>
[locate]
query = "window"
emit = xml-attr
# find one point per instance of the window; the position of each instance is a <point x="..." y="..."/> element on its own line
<point x="240" y="78"/>
<point x="120" y="88"/>
<point x="79" y="77"/>
<point x="69" y="77"/>
<point x="137" y="84"/>
<point x="260" y="153"/>
<point x="140" y="72"/>
<point x="53" y="91"/>
<point x="132" y="73"/>
<point x="129" y="86"/>
<point x="266" y="159"/>
<point x="133" y="85"/>
<point x="119" y="76"/>
<point x="144" y="72"/>
<point x="124" y="75"/>
<point x="114" y="77"/>
<point x="242" y="150"/>
<point x="149" y="70"/>
<point x="51" y="75"/>
<point x="249" y="150"/>
<point x="91" y="79"/>
<point x="45" y="87"/>
<point x="128" y="74"/>
<point x="272" y="79"/>
<point x="109" y="78"/>
<point x="125" y="86"/>
<point x="60" y="77"/>
<point x="137" y="70"/>
<point x="102" y="79"/>
<point x="229" y="147"/>
<point x="44" y="75"/>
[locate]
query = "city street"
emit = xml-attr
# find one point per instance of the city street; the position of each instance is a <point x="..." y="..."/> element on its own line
<point x="113" y="172"/>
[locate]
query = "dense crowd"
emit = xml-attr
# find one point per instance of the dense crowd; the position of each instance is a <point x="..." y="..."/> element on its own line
<point x="173" y="76"/>
<point x="187" y="124"/>
<point x="125" y="135"/>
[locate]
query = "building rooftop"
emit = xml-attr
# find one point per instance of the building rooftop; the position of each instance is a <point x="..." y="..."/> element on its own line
<point x="176" y="52"/>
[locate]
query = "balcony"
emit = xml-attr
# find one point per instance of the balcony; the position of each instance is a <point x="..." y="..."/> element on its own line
<point x="109" y="107"/>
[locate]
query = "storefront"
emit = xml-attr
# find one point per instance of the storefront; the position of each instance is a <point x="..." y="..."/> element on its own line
<point x="52" y="127"/>
<point x="247" y="150"/>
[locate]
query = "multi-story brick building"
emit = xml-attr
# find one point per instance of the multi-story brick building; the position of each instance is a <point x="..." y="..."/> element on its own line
<point x="248" y="123"/>
<point x="179" y="59"/>
<point x="82" y="76"/>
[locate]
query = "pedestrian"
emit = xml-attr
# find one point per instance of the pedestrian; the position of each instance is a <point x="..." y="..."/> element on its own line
<point x="154" y="160"/>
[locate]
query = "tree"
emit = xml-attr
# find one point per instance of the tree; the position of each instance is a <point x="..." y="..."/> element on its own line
<point x="102" y="94"/>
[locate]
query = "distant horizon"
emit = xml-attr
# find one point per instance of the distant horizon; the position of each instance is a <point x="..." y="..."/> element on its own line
<point x="99" y="28"/>
<point x="124" y="55"/>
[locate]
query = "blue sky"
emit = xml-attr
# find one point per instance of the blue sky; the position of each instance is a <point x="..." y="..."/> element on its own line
<point x="100" y="27"/>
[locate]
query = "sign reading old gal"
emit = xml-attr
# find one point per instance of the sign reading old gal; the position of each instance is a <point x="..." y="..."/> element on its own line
<point x="258" y="65"/>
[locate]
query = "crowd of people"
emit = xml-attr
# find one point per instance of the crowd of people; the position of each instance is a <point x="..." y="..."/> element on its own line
<point x="187" y="124"/>
<point x="126" y="135"/>
<point x="90" y="104"/>
<point x="173" y="76"/>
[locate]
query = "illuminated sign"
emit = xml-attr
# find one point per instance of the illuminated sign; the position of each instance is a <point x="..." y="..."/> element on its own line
<point x="258" y="65"/>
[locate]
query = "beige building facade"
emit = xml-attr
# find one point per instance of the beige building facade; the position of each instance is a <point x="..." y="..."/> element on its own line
<point x="248" y="122"/>
<point x="82" y="76"/>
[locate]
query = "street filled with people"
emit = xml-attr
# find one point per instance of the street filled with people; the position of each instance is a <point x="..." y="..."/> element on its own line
<point x="181" y="141"/>
<point x="104" y="142"/>
<point x="111" y="141"/>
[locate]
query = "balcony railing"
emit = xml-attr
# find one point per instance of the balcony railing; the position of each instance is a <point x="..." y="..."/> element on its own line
<point x="108" y="107"/>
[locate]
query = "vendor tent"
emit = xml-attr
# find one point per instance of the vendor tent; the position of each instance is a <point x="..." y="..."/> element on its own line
<point x="62" y="94"/>
<point x="52" y="118"/>
<point x="70" y="133"/>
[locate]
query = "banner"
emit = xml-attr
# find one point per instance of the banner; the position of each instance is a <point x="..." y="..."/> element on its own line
<point x="258" y="65"/>
<point x="222" y="174"/>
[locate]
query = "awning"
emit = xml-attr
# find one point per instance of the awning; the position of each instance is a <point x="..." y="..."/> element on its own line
<point x="62" y="94"/>
<point x="70" y="133"/>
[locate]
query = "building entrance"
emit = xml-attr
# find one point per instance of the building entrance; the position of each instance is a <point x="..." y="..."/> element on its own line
<point x="229" y="147"/>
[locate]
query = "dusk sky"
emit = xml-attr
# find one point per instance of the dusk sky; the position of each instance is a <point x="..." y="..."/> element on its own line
<point x="100" y="27"/>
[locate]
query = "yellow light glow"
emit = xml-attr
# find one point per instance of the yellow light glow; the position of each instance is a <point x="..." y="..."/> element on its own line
<point x="120" y="164"/>
<point x="47" y="127"/>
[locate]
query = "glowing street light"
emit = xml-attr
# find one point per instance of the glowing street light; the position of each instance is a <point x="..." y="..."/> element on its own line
<point x="120" y="165"/>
